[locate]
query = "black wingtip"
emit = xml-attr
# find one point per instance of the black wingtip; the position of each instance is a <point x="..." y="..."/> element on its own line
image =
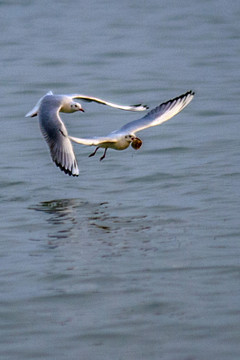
<point x="66" y="171"/>
<point x="138" y="105"/>
<point x="189" y="92"/>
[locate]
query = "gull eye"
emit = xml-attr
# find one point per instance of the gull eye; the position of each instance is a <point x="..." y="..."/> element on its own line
<point x="74" y="106"/>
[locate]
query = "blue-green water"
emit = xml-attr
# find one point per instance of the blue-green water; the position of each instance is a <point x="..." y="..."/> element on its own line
<point x="138" y="257"/>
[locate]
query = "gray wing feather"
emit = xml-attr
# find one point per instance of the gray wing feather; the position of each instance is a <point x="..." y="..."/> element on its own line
<point x="138" y="107"/>
<point x="55" y="134"/>
<point x="160" y="114"/>
<point x="35" y="110"/>
<point x="94" y="141"/>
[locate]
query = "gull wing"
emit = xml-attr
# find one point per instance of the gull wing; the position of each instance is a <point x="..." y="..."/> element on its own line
<point x="138" y="107"/>
<point x="35" y="110"/>
<point x="94" y="141"/>
<point x="160" y="114"/>
<point x="56" y="136"/>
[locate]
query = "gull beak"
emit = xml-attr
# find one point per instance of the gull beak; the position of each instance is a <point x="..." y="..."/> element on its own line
<point x="81" y="110"/>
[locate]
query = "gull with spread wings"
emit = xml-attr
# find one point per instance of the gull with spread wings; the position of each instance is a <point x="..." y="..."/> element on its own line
<point x="53" y="128"/>
<point x="69" y="106"/>
<point x="126" y="135"/>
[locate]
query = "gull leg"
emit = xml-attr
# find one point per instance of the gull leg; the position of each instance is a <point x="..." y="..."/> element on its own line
<point x="94" y="152"/>
<point x="104" y="154"/>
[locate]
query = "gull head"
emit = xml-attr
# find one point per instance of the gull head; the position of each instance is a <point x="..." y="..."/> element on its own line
<point x="75" y="106"/>
<point x="70" y="106"/>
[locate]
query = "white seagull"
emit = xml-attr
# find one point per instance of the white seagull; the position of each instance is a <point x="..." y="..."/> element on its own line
<point x="122" y="138"/>
<point x="52" y="127"/>
<point x="68" y="104"/>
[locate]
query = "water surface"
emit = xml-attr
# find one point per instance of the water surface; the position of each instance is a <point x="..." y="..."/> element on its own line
<point x="138" y="257"/>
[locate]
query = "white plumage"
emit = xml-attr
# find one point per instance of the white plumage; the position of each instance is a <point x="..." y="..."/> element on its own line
<point x="54" y="130"/>
<point x="126" y="135"/>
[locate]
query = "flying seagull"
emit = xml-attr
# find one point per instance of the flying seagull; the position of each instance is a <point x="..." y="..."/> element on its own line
<point x="67" y="99"/>
<point x="52" y="127"/>
<point x="126" y="135"/>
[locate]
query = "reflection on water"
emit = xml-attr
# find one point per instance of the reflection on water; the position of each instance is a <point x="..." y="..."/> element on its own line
<point x="86" y="223"/>
<point x="68" y="214"/>
<point x="62" y="217"/>
<point x="62" y="210"/>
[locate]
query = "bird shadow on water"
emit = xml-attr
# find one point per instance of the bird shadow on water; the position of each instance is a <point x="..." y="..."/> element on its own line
<point x="84" y="222"/>
<point x="64" y="219"/>
<point x="60" y="211"/>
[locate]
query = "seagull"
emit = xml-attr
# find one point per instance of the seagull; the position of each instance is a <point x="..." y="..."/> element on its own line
<point x="67" y="99"/>
<point x="126" y="135"/>
<point x="52" y="126"/>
